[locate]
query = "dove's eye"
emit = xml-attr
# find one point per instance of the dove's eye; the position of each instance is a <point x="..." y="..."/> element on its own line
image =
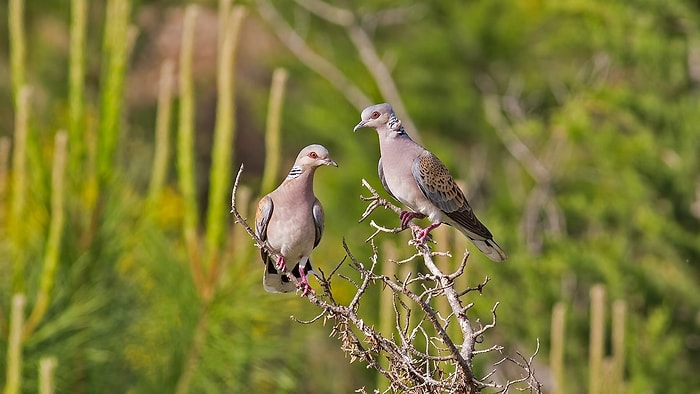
<point x="375" y="114"/>
<point x="313" y="155"/>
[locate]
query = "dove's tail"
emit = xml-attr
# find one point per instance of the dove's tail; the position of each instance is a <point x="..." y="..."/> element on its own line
<point x="275" y="281"/>
<point x="490" y="248"/>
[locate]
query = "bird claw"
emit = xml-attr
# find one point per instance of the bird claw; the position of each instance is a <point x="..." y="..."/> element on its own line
<point x="407" y="216"/>
<point x="281" y="264"/>
<point x="303" y="284"/>
<point x="305" y="288"/>
<point x="422" y="235"/>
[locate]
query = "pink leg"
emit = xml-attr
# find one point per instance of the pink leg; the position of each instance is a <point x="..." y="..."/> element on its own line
<point x="423" y="234"/>
<point x="304" y="283"/>
<point x="281" y="265"/>
<point x="407" y="216"/>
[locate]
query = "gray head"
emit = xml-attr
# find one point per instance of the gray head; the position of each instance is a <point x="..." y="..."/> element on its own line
<point x="310" y="158"/>
<point x="314" y="156"/>
<point x="377" y="116"/>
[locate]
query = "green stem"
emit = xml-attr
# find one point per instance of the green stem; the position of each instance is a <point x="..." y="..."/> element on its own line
<point x="47" y="365"/>
<point x="5" y="146"/>
<point x="76" y="85"/>
<point x="224" y="13"/>
<point x="273" y="149"/>
<point x="13" y="373"/>
<point x="53" y="244"/>
<point x="185" y="148"/>
<point x="222" y="152"/>
<point x="19" y="187"/>
<point x="115" y="48"/>
<point x="15" y="26"/>
<point x="162" y="148"/>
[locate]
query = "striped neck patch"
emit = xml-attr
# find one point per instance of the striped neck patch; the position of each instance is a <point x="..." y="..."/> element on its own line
<point x="395" y="124"/>
<point x="294" y="172"/>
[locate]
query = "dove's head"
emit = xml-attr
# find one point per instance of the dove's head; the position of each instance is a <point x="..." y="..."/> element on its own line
<point x="314" y="156"/>
<point x="376" y="116"/>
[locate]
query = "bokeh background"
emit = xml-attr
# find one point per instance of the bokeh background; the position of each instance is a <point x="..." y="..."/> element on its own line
<point x="573" y="125"/>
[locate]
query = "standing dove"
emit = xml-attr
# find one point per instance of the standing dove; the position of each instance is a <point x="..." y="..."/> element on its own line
<point x="419" y="180"/>
<point x="290" y="220"/>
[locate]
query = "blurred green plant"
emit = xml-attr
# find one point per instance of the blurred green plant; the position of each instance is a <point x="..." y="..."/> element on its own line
<point x="55" y="233"/>
<point x="76" y="86"/>
<point x="273" y="143"/>
<point x="19" y="190"/>
<point x="116" y="47"/>
<point x="574" y="124"/>
<point x="113" y="264"/>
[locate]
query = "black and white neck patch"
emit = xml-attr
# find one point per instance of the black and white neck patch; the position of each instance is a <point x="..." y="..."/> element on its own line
<point x="395" y="124"/>
<point x="294" y="172"/>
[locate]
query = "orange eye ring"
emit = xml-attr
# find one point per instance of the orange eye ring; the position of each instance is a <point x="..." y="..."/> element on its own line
<point x="313" y="155"/>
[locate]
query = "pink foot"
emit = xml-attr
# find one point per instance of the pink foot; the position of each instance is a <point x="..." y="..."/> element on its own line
<point x="281" y="265"/>
<point x="304" y="283"/>
<point x="407" y="216"/>
<point x="423" y="234"/>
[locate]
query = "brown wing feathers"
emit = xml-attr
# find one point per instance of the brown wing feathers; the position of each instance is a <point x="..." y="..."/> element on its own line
<point x="438" y="185"/>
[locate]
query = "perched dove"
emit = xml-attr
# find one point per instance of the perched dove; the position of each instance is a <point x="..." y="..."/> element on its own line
<point x="290" y="220"/>
<point x="419" y="180"/>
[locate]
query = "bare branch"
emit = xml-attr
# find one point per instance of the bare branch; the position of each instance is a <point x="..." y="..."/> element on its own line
<point x="494" y="348"/>
<point x="376" y="202"/>
<point x="460" y="269"/>
<point x="381" y="229"/>
<point x="441" y="364"/>
<point x="479" y="287"/>
<point x="526" y="365"/>
<point x="335" y="15"/>
<point x="296" y="44"/>
<point x="314" y="320"/>
<point x="483" y="329"/>
<point x="394" y="16"/>
<point x="517" y="148"/>
<point x="337" y="267"/>
<point x="385" y="82"/>
<point x="359" y="38"/>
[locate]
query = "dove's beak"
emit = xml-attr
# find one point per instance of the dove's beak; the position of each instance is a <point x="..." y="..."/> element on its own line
<point x="359" y="125"/>
<point x="330" y="162"/>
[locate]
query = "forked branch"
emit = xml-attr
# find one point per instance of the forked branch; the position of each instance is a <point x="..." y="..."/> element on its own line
<point x="419" y="355"/>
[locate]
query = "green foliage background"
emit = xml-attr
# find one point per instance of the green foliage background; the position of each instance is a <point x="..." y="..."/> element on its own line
<point x="606" y="93"/>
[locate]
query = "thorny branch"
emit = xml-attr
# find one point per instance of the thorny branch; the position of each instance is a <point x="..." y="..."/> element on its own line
<point x="424" y="359"/>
